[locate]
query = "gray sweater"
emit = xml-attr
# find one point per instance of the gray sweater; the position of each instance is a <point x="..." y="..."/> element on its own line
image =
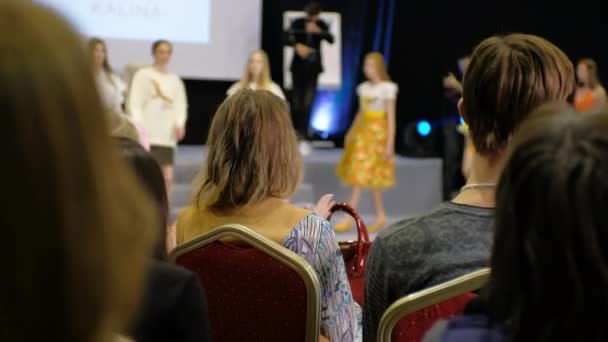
<point x="424" y="251"/>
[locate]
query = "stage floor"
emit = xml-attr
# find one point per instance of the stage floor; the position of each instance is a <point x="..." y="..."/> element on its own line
<point x="418" y="186"/>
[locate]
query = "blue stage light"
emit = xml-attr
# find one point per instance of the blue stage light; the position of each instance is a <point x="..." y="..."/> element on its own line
<point x="424" y="128"/>
<point x="323" y="118"/>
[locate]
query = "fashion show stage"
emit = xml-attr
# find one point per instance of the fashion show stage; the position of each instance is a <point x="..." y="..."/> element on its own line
<point x="418" y="186"/>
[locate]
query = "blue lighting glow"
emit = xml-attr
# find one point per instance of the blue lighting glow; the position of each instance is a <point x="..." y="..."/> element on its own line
<point x="324" y="113"/>
<point x="424" y="128"/>
<point x="461" y="121"/>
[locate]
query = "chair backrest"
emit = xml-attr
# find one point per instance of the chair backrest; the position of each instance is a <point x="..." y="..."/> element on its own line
<point x="411" y="316"/>
<point x="257" y="290"/>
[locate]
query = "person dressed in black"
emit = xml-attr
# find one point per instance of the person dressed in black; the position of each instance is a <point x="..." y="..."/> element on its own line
<point x="305" y="35"/>
<point x="174" y="305"/>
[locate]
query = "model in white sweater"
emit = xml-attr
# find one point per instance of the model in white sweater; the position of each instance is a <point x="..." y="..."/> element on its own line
<point x="157" y="99"/>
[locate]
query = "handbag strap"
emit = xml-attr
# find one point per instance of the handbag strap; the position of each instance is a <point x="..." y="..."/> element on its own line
<point x="362" y="234"/>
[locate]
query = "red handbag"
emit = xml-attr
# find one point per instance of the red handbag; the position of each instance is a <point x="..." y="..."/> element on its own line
<point x="355" y="252"/>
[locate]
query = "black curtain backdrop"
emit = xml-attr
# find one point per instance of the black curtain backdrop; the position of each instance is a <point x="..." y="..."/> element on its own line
<point x="428" y="37"/>
<point x="358" y="26"/>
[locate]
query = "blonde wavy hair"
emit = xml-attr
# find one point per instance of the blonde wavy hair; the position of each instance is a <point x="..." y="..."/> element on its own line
<point x="253" y="153"/>
<point x="78" y="224"/>
<point x="378" y="60"/>
<point x="266" y="78"/>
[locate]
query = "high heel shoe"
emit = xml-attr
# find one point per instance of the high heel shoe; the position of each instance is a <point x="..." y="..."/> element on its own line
<point x="379" y="224"/>
<point x="343" y="226"/>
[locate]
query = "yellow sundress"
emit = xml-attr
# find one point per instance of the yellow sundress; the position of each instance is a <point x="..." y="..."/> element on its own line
<point x="363" y="162"/>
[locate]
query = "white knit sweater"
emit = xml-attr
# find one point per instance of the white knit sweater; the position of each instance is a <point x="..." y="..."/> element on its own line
<point x="160" y="117"/>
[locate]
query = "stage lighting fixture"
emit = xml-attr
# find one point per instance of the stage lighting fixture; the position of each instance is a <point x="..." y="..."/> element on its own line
<point x="424" y="128"/>
<point x="420" y="140"/>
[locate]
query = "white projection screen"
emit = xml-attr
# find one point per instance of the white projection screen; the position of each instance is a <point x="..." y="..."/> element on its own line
<point x="331" y="78"/>
<point x="212" y="38"/>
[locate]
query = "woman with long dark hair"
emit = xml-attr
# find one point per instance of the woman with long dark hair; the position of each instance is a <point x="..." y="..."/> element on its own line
<point x="174" y="306"/>
<point x="550" y="256"/>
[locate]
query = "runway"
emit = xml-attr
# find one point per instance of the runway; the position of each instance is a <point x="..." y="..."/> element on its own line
<point x="418" y="186"/>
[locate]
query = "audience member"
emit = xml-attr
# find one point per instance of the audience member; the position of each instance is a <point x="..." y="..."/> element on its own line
<point x="507" y="78"/>
<point x="590" y="95"/>
<point x="257" y="76"/>
<point x="174" y="307"/>
<point x="549" y="260"/>
<point x="75" y="234"/>
<point x="252" y="167"/>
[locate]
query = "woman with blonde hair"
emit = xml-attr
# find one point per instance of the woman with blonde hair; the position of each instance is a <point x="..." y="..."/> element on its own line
<point x="590" y="95"/>
<point x="252" y="168"/>
<point x="75" y="234"/>
<point x="257" y="76"/>
<point x="369" y="147"/>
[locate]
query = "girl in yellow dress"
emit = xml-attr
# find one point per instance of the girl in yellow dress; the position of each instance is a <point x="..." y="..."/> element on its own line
<point x="369" y="147"/>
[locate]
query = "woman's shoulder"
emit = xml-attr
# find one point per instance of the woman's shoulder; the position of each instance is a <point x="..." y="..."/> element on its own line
<point x="277" y="90"/>
<point x="168" y="280"/>
<point x="274" y="86"/>
<point x="363" y="86"/>
<point x="170" y="273"/>
<point x="313" y="227"/>
<point x="389" y="85"/>
<point x="145" y="70"/>
<point x="234" y="88"/>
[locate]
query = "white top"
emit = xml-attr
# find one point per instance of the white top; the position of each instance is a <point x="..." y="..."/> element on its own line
<point x="112" y="91"/>
<point x="374" y="96"/>
<point x="159" y="117"/>
<point x="273" y="88"/>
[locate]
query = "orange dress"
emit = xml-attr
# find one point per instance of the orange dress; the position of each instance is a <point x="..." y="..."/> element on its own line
<point x="363" y="162"/>
<point x="584" y="100"/>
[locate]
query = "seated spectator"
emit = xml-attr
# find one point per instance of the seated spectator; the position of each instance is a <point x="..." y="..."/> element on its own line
<point x="252" y="167"/>
<point x="174" y="307"/>
<point x="550" y="258"/>
<point x="507" y="78"/>
<point x="72" y="258"/>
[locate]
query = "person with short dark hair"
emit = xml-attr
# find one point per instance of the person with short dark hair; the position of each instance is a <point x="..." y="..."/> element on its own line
<point x="550" y="259"/>
<point x="507" y="78"/>
<point x="305" y="35"/>
<point x="157" y="100"/>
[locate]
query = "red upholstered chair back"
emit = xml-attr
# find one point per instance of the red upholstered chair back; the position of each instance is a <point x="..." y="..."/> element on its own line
<point x="256" y="290"/>
<point x="409" y="318"/>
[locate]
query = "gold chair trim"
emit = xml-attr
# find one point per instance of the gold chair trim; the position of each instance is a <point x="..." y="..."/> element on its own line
<point x="276" y="251"/>
<point x="428" y="297"/>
